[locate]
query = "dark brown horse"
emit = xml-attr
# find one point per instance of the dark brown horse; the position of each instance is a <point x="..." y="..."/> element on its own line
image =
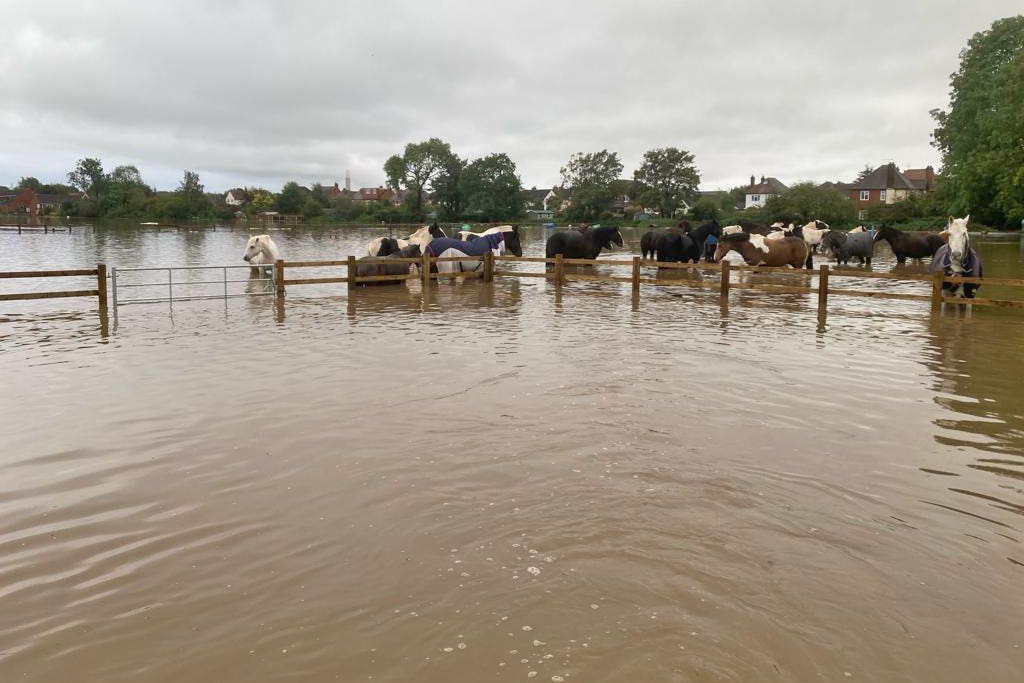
<point x="915" y="245"/>
<point x="752" y="228"/>
<point x="757" y="251"/>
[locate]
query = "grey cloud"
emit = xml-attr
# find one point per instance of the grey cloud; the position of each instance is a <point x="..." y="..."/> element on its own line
<point x="263" y="92"/>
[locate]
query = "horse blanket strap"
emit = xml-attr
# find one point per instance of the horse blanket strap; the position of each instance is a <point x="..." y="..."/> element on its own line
<point x="711" y="240"/>
<point x="478" y="247"/>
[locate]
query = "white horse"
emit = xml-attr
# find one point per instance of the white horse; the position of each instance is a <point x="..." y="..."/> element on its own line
<point x="780" y="232"/>
<point x="732" y="229"/>
<point x="813" y="232"/>
<point x="261" y="252"/>
<point x="962" y="259"/>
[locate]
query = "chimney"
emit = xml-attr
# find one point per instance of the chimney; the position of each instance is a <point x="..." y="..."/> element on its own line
<point x="751" y="179"/>
<point x="762" y="179"/>
<point x="348" y="181"/>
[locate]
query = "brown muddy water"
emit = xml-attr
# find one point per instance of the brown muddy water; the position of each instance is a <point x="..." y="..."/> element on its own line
<point x="504" y="482"/>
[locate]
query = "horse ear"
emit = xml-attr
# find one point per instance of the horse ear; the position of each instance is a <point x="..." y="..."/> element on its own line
<point x="967" y="218"/>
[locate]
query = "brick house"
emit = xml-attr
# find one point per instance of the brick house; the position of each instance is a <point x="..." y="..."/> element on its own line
<point x="885" y="185"/>
<point x="922" y="179"/>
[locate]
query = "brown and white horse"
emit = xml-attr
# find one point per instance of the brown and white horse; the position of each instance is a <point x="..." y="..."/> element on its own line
<point x="757" y="251"/>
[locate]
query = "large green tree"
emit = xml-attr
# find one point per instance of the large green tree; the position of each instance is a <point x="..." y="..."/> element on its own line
<point x="191" y="191"/>
<point x="29" y="183"/>
<point x="671" y="177"/>
<point x="416" y="169"/>
<point x="446" y="188"/>
<point x="981" y="135"/>
<point x="806" y="202"/>
<point x="125" y="194"/>
<point x="491" y="188"/>
<point x="588" y="179"/>
<point x="291" y="199"/>
<point x="87" y="176"/>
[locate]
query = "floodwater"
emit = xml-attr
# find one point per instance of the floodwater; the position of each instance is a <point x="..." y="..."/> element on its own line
<point x="505" y="481"/>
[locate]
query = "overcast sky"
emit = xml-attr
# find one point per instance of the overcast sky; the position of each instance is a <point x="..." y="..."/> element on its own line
<point x="258" y="93"/>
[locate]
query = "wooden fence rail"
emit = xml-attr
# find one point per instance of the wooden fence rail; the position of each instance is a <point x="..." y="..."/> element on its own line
<point x="554" y="269"/>
<point x="99" y="272"/>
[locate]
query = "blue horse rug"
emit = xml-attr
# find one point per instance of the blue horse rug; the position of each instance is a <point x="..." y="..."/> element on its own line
<point x="477" y="247"/>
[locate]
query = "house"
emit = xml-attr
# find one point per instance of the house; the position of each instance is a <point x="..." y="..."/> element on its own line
<point x="236" y="197"/>
<point x="20" y="201"/>
<point x="922" y="179"/>
<point x="758" y="193"/>
<point x="885" y="185"/>
<point x="49" y="202"/>
<point x="372" y="194"/>
<point x="534" y="199"/>
<point x="333" y="193"/>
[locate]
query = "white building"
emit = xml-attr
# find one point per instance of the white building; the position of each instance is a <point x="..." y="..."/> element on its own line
<point x="758" y="193"/>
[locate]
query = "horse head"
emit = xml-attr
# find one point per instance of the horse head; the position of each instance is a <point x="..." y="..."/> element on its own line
<point x="832" y="241"/>
<point x="886" y="232"/>
<point x="740" y="242"/>
<point x="959" y="241"/>
<point x="513" y="242"/>
<point x="606" y="236"/>
<point x="388" y="246"/>
<point x="436" y="231"/>
<point x="257" y="245"/>
<point x="423" y="236"/>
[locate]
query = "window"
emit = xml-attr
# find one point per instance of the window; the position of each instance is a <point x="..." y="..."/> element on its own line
<point x="862" y="215"/>
<point x="755" y="198"/>
<point x="881" y="195"/>
<point x="865" y="195"/>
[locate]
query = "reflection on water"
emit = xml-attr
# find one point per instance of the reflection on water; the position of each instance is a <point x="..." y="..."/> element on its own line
<point x="499" y="479"/>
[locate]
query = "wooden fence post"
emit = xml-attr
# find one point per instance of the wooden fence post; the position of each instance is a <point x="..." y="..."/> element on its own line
<point x="822" y="289"/>
<point x="559" y="269"/>
<point x="279" y="276"/>
<point x="937" y="277"/>
<point x="425" y="270"/>
<point x="489" y="266"/>
<point x="101" y="284"/>
<point x="725" y="279"/>
<point x="351" y="273"/>
<point x="636" y="275"/>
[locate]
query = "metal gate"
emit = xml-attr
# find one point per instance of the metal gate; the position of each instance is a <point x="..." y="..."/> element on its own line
<point x="264" y="284"/>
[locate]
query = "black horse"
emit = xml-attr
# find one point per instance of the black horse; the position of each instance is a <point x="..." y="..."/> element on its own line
<point x="916" y="245"/>
<point x="675" y="247"/>
<point x="649" y="240"/>
<point x="573" y="244"/>
<point x="706" y="235"/>
<point x="647" y="244"/>
<point x="399" y="268"/>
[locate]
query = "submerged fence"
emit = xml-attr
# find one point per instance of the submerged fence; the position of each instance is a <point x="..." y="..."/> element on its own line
<point x="488" y="267"/>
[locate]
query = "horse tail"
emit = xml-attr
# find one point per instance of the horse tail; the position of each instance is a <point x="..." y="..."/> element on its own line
<point x="809" y="263"/>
